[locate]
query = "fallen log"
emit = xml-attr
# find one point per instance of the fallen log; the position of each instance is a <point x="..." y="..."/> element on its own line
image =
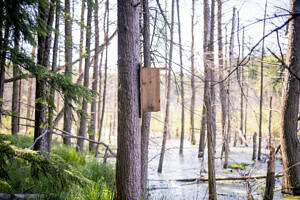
<point x="239" y="178"/>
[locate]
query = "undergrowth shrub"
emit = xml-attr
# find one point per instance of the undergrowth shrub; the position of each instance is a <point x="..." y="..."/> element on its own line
<point x="62" y="174"/>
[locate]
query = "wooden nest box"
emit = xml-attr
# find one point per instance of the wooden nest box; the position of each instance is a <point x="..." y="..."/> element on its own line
<point x="150" y="89"/>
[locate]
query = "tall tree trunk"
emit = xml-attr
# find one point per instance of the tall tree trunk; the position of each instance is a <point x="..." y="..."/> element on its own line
<point x="95" y="79"/>
<point x="193" y="96"/>
<point x="105" y="79"/>
<point x="146" y="117"/>
<point x="206" y="19"/>
<point x="29" y="93"/>
<point x="15" y="94"/>
<point x="166" y="120"/>
<point x="261" y="86"/>
<point x="128" y="168"/>
<point x="4" y="44"/>
<point x="41" y="132"/>
<point x="181" y="82"/>
<point x="290" y="145"/>
<point x="212" y="72"/>
<point x="221" y="69"/>
<point x="68" y="70"/>
<point x="29" y="100"/>
<point x="81" y="36"/>
<point x="211" y="111"/>
<point x="100" y="75"/>
<point x="227" y="137"/>
<point x="53" y="69"/>
<point x="246" y="106"/>
<point x="83" y="119"/>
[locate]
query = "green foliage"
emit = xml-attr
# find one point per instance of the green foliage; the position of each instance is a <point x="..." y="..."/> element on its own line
<point x="21" y="141"/>
<point x="100" y="172"/>
<point x="62" y="174"/>
<point x="70" y="155"/>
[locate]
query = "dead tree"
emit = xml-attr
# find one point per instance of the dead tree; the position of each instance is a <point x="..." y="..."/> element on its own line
<point x="270" y="124"/>
<point x="206" y="73"/>
<point x="166" y="120"/>
<point x="193" y="96"/>
<point x="227" y="137"/>
<point x="254" y="146"/>
<point x="261" y="86"/>
<point x="221" y="68"/>
<point x="270" y="181"/>
<point x="181" y="82"/>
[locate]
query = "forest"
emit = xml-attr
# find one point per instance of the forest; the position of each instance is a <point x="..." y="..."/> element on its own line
<point x="149" y="99"/>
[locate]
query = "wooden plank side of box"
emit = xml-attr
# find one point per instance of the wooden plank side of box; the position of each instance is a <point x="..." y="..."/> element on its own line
<point x="150" y="89"/>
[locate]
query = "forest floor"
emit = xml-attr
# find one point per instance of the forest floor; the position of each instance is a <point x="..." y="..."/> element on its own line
<point x="163" y="186"/>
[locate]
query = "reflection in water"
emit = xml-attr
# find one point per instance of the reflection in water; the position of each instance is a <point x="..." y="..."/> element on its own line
<point x="188" y="166"/>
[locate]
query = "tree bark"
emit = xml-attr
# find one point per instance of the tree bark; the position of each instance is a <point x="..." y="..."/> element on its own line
<point x="206" y="18"/>
<point x="270" y="124"/>
<point x="81" y="36"/>
<point x="193" y="96"/>
<point x="166" y="120"/>
<point x="181" y="81"/>
<point x="46" y="13"/>
<point x="227" y="137"/>
<point x="290" y="146"/>
<point x="83" y="120"/>
<point x="53" y="69"/>
<point x="212" y="95"/>
<point x="68" y="69"/>
<point x="15" y="93"/>
<point x="270" y="181"/>
<point x="221" y="68"/>
<point x="242" y="90"/>
<point x="29" y="93"/>
<point x="4" y="44"/>
<point x="128" y="168"/>
<point x="261" y="87"/>
<point x="254" y="146"/>
<point x="105" y="79"/>
<point x="146" y="117"/>
<point x="95" y="79"/>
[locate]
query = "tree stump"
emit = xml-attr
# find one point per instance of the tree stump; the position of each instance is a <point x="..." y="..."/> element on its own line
<point x="270" y="181"/>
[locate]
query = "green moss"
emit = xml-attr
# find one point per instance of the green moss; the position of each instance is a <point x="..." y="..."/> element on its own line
<point x="237" y="166"/>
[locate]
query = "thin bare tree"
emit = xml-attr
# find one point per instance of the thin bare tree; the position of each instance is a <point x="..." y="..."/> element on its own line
<point x="181" y="81"/>
<point x="146" y="117"/>
<point x="193" y="96"/>
<point x="105" y="78"/>
<point x="166" y="120"/>
<point x="227" y="137"/>
<point x="221" y="68"/>
<point x="261" y="86"/>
